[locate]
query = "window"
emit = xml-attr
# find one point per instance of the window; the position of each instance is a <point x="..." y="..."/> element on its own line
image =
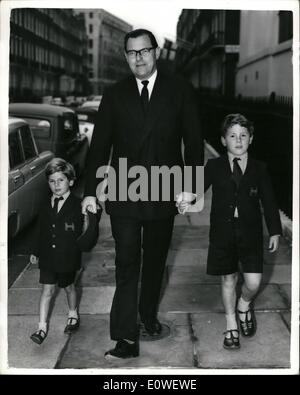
<point x="90" y="58"/>
<point x="256" y="75"/>
<point x="40" y="127"/>
<point x="90" y="28"/>
<point x="91" y="15"/>
<point x="15" y="150"/>
<point x="285" y="26"/>
<point x="90" y="43"/>
<point x="27" y="142"/>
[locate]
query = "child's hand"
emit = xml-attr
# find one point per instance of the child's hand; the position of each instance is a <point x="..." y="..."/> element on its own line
<point x="273" y="243"/>
<point x="33" y="259"/>
<point x="182" y="207"/>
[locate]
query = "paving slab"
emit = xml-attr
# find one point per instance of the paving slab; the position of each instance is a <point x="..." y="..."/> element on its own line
<point x="87" y="348"/>
<point x="92" y="300"/>
<point x="104" y="258"/>
<point x="277" y="274"/>
<point x="269" y="348"/>
<point x="96" y="275"/>
<point x="186" y="257"/>
<point x="193" y="237"/>
<point x="24" y="353"/>
<point x="204" y="298"/>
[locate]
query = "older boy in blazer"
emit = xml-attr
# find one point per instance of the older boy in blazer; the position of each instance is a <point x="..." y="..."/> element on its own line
<point x="240" y="186"/>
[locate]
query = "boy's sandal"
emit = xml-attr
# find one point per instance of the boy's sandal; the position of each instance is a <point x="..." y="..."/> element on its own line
<point x="39" y="336"/>
<point x="72" y="325"/>
<point x="248" y="327"/>
<point x="232" y="342"/>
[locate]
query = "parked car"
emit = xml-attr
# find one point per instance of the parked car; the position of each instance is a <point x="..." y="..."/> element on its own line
<point x="91" y="103"/>
<point x="27" y="184"/>
<point x="86" y="118"/>
<point x="56" y="129"/>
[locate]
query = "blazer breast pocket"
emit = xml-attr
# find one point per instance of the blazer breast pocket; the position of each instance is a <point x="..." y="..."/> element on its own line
<point x="253" y="191"/>
<point x="69" y="227"/>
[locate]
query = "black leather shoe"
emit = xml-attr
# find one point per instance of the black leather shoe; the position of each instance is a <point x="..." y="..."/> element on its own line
<point x="232" y="342"/>
<point x="123" y="350"/>
<point x="152" y="329"/>
<point x="39" y="336"/>
<point x="248" y="327"/>
<point x="72" y="325"/>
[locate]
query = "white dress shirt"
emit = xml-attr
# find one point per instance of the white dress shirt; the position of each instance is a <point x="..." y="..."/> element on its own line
<point x="149" y="86"/>
<point x="243" y="164"/>
<point x="61" y="202"/>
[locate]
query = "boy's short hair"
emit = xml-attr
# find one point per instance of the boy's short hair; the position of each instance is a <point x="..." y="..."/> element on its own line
<point x="59" y="164"/>
<point x="236" y="119"/>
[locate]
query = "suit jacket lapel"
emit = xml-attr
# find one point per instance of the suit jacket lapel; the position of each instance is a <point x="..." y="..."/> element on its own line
<point x="132" y="102"/>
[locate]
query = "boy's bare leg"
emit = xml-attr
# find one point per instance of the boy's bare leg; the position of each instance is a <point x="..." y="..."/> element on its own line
<point x="72" y="300"/>
<point x="46" y="296"/>
<point x="229" y="282"/>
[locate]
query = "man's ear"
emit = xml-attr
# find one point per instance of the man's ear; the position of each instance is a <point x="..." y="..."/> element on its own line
<point x="126" y="57"/>
<point x="157" y="52"/>
<point x="71" y="183"/>
<point x="223" y="141"/>
<point x="250" y="141"/>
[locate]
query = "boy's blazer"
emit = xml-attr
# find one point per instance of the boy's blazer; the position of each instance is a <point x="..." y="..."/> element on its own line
<point x="154" y="140"/>
<point x="255" y="190"/>
<point x="57" y="246"/>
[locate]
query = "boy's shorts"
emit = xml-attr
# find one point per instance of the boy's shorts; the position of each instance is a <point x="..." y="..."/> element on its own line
<point x="224" y="260"/>
<point x="61" y="279"/>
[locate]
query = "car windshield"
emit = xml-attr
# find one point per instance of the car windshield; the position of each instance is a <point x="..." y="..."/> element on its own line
<point x="40" y="127"/>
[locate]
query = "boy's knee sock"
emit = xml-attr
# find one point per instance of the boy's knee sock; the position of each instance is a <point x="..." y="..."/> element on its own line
<point x="231" y="321"/>
<point x="43" y="326"/>
<point x="73" y="314"/>
<point x="243" y="305"/>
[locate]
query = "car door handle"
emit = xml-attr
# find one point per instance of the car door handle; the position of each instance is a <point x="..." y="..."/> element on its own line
<point x="32" y="168"/>
<point x="16" y="178"/>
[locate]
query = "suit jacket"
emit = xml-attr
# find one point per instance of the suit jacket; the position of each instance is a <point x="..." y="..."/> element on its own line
<point x="255" y="190"/>
<point x="151" y="140"/>
<point x="57" y="246"/>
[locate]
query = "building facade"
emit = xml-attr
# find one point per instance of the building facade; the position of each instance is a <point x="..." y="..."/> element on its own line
<point x="208" y="47"/>
<point x="106" y="61"/>
<point x="47" y="53"/>
<point x="265" y="61"/>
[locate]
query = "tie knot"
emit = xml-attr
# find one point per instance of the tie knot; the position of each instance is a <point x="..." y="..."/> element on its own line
<point x="57" y="199"/>
<point x="145" y="83"/>
<point x="235" y="160"/>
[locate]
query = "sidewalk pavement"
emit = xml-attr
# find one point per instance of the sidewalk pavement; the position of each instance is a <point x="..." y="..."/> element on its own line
<point x="190" y="304"/>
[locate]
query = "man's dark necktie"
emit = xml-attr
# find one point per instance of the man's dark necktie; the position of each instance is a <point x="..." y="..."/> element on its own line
<point x="237" y="173"/>
<point x="145" y="96"/>
<point x="55" y="206"/>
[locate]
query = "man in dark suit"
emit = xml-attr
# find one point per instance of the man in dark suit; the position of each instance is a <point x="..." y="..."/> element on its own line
<point x="144" y="118"/>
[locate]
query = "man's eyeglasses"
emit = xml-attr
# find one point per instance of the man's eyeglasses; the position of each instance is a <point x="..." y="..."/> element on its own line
<point x="144" y="52"/>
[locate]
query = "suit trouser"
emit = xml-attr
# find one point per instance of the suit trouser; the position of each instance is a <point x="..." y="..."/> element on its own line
<point x="130" y="234"/>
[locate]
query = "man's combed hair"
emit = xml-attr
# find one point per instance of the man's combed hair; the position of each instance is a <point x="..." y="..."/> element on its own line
<point x="236" y="119"/>
<point x="60" y="165"/>
<point x="138" y="33"/>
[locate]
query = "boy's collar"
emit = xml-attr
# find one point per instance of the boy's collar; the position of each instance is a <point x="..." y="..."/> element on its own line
<point x="243" y="157"/>
<point x="65" y="195"/>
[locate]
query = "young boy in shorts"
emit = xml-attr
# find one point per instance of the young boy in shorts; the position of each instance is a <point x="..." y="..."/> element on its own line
<point x="59" y="225"/>
<point x="240" y="186"/>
